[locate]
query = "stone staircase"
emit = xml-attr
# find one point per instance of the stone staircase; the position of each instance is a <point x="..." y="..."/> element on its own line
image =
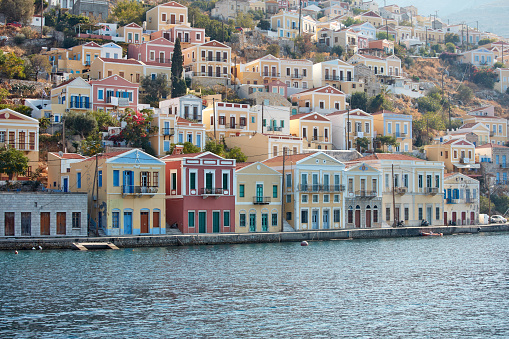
<point x="287" y="227"/>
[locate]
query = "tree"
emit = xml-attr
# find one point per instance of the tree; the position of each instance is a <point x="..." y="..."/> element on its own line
<point x="362" y="144"/>
<point x="39" y="64"/>
<point x="465" y="94"/>
<point x="214" y="28"/>
<point x="155" y="89"/>
<point x="383" y="35"/>
<point x="387" y="140"/>
<point x="405" y="23"/>
<point x="244" y="20"/>
<point x="37" y="5"/>
<point x="104" y="120"/>
<point x="451" y="37"/>
<point x="92" y="144"/>
<point x="17" y="10"/>
<point x="498" y="64"/>
<point x="484" y="77"/>
<point x="80" y="123"/>
<point x="188" y="148"/>
<point x="12" y="161"/>
<point x="380" y="102"/>
<point x="450" y="47"/>
<point x="337" y="50"/>
<point x="236" y="153"/>
<point x="304" y="45"/>
<point x="127" y="11"/>
<point x="26" y="110"/>
<point x="437" y="48"/>
<point x="4" y="93"/>
<point x="214" y="147"/>
<point x="486" y="41"/>
<point x="351" y="21"/>
<point x="44" y="123"/>
<point x="138" y="129"/>
<point x="273" y="49"/>
<point x="264" y="25"/>
<point x="12" y="66"/>
<point x="358" y="100"/>
<point x="178" y="84"/>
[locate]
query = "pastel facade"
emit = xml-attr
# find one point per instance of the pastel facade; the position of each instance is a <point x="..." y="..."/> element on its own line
<point x="209" y="62"/>
<point x="481" y="57"/>
<point x="166" y="15"/>
<point x="187" y="107"/>
<point x="461" y="199"/>
<point x="257" y="199"/>
<point x="494" y="161"/>
<point x="326" y="99"/>
<point x="365" y="29"/>
<point x="389" y="66"/>
<point x="200" y="193"/>
<point x="397" y="125"/>
<point x="186" y="34"/>
<point x="313" y="128"/>
<point x="347" y="126"/>
<point x="286" y="24"/>
<point x="456" y="154"/>
<point x="131" y="192"/>
<point x="372" y="18"/>
<point x="22" y="133"/>
<point x="228" y="119"/>
<point x="102" y="68"/>
<point x="338" y="74"/>
<point x="74" y="94"/>
<point x="114" y="93"/>
<point x="59" y="166"/>
<point x="496" y="125"/>
<point x="502" y="83"/>
<point x="417" y="186"/>
<point x="132" y="33"/>
<point x="476" y="133"/>
<point x="158" y="50"/>
<point x="86" y="53"/>
<point x="314" y="190"/>
<point x="260" y="147"/>
<point x="275" y="119"/>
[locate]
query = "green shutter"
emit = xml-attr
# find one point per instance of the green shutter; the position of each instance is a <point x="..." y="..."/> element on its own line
<point x="274" y="191"/>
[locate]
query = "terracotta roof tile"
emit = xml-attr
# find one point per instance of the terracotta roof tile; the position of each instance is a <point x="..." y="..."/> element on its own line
<point x="288" y="159"/>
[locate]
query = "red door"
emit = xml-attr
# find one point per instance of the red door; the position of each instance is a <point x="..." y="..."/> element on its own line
<point x="144" y="222"/>
<point x="357" y="218"/>
<point x="463" y="218"/>
<point x="453" y="216"/>
<point x="9" y="224"/>
<point x="61" y="223"/>
<point x="45" y="228"/>
<point x="472" y="218"/>
<point x="445" y="219"/>
<point x="368" y="218"/>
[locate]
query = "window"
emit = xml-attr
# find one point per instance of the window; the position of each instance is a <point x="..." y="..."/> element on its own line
<point x="190" y="219"/>
<point x="315" y="198"/>
<point x="350" y="185"/>
<point x="115" y="218"/>
<point x="192" y="180"/>
<point x="336" y="197"/>
<point x="336" y="215"/>
<point x="274" y="191"/>
<point x="156" y="179"/>
<point x="437" y="213"/>
<point x="420" y="213"/>
<point x="387" y="214"/>
<point x="326" y="198"/>
<point x="288" y="180"/>
<point x="174" y="181"/>
<point x="241" y="190"/>
<point x="76" y="219"/>
<point x="242" y="220"/>
<point x="226" y="218"/>
<point x="405" y="180"/>
<point x="387" y="181"/>
<point x="437" y="181"/>
<point x="406" y="213"/>
<point x="288" y="215"/>
<point x="100" y="179"/>
<point x="366" y="126"/>
<point x="304" y="216"/>
<point x="288" y="198"/>
<point x="100" y="94"/>
<point x="78" y="180"/>
<point x="428" y="181"/>
<point x="304" y="198"/>
<point x="116" y="178"/>
<point x="420" y="181"/>
<point x="225" y="181"/>
<point x="274" y="219"/>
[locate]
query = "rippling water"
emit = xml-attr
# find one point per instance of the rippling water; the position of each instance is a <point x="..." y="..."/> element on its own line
<point x="455" y="286"/>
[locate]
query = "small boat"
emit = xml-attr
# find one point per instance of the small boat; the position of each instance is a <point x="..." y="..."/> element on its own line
<point x="431" y="234"/>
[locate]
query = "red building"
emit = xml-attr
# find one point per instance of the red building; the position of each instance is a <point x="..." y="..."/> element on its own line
<point x="158" y="51"/>
<point x="114" y="93"/>
<point x="200" y="195"/>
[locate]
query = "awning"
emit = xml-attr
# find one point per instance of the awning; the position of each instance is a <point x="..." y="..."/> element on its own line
<point x="467" y="165"/>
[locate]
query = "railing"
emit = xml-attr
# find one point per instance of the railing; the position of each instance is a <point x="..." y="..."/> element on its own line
<point x="454" y="201"/>
<point x="359" y="134"/>
<point x="192" y="117"/>
<point x="168" y="131"/>
<point x="261" y="200"/>
<point x="365" y="194"/>
<point x="211" y="74"/>
<point x="274" y="128"/>
<point x="334" y="77"/>
<point x="431" y="190"/>
<point x="319" y="138"/>
<point x="212" y="191"/>
<point x="235" y="126"/>
<point x="309" y="188"/>
<point x="400" y="190"/>
<point x="163" y="60"/>
<point x="464" y="160"/>
<point x="469" y="200"/>
<point x="80" y="105"/>
<point x="503" y="165"/>
<point x="297" y="76"/>
<point x="271" y="74"/>
<point x="139" y="190"/>
<point x="400" y="135"/>
<point x="214" y="59"/>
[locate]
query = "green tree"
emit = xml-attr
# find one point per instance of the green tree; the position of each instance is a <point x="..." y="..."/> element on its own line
<point x="380" y="102"/>
<point x="214" y="28"/>
<point x="37" y="6"/>
<point x="351" y="21"/>
<point x="12" y="66"/>
<point x="236" y="153"/>
<point x="244" y="20"/>
<point x="138" y="129"/>
<point x="450" y="47"/>
<point x="155" y="89"/>
<point x="498" y="64"/>
<point x="274" y="50"/>
<point x="44" y="123"/>
<point x="17" y="10"/>
<point x="437" y="48"/>
<point x="188" y="148"/>
<point x="178" y="84"/>
<point x="337" y="51"/>
<point x="304" y="46"/>
<point x="264" y="25"/>
<point x="383" y="35"/>
<point x="405" y="23"/>
<point x="362" y="144"/>
<point x="465" y="93"/>
<point x="484" y="205"/>
<point x="4" y="93"/>
<point x="484" y="77"/>
<point x="92" y="144"/>
<point x="12" y="161"/>
<point x="127" y="11"/>
<point x="104" y="120"/>
<point x="39" y="64"/>
<point x="214" y="147"/>
<point x="387" y="140"/>
<point x="79" y="123"/>
<point x="486" y="41"/>
<point x="451" y="37"/>
<point x="358" y="100"/>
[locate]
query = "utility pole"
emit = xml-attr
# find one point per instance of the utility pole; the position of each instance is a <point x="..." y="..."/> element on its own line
<point x="42" y="16"/>
<point x="263" y="104"/>
<point x="214" y="117"/>
<point x="63" y="136"/>
<point x="467" y="37"/>
<point x="348" y="129"/>
<point x="426" y="37"/>
<point x="283" y="192"/>
<point x="394" y="198"/>
<point x="300" y="17"/>
<point x="462" y="40"/>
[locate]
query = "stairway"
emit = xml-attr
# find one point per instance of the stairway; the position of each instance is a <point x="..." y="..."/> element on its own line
<point x="287" y="227"/>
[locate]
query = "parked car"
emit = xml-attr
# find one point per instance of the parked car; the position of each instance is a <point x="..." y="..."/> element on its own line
<point x="498" y="219"/>
<point x="15" y="24"/>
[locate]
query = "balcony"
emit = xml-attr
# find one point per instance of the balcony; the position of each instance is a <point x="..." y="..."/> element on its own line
<point x="214" y="59"/>
<point x="464" y="160"/>
<point x="400" y="190"/>
<point x="359" y="134"/>
<point x="309" y="188"/>
<point x="274" y="129"/>
<point x="400" y="135"/>
<point x="431" y="190"/>
<point x="334" y="78"/>
<point x="163" y="60"/>
<point x="318" y="138"/>
<point x="492" y="133"/>
<point x="261" y="200"/>
<point x="454" y="201"/>
<point x="192" y="117"/>
<point x="212" y="191"/>
<point x="297" y="76"/>
<point x="365" y="194"/>
<point x="211" y="74"/>
<point x="234" y="126"/>
<point x="271" y="74"/>
<point x="131" y="190"/>
<point x="80" y="105"/>
<point x="168" y="131"/>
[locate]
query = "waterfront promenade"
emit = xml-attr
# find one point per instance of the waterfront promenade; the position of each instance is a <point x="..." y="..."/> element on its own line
<point x="230" y="238"/>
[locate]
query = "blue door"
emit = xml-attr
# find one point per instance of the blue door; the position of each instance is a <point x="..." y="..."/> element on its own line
<point x="397" y="131"/>
<point x="128" y="222"/>
<point x="128" y="182"/>
<point x="66" y="185"/>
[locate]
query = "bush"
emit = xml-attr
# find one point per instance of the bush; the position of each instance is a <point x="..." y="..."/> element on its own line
<point x="465" y="94"/>
<point x="484" y="77"/>
<point x="29" y="33"/>
<point x="19" y="38"/>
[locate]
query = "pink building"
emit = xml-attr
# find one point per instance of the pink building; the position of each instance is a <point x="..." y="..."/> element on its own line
<point x="277" y="86"/>
<point x="186" y="34"/>
<point x="200" y="193"/>
<point x="159" y="51"/>
<point x="114" y="93"/>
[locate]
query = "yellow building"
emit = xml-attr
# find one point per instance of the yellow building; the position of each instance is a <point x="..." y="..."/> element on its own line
<point x="210" y="63"/>
<point x="313" y="187"/>
<point x="228" y="119"/>
<point x="74" y="94"/>
<point x="104" y="67"/>
<point x="59" y="166"/>
<point x="126" y="194"/>
<point x="415" y="191"/>
<point x="326" y="99"/>
<point x="434" y="36"/>
<point x="374" y="19"/>
<point x="173" y="129"/>
<point x="461" y="196"/>
<point x="337" y="74"/>
<point x="456" y="154"/>
<point x="476" y="133"/>
<point x="496" y="125"/>
<point x="348" y="126"/>
<point x="397" y="125"/>
<point x="286" y="24"/>
<point x="502" y="84"/>
<point x="132" y="33"/>
<point x="260" y="146"/>
<point x="258" y="198"/>
<point x="388" y="66"/>
<point x="86" y="53"/>
<point x="166" y="16"/>
<point x="22" y="133"/>
<point x="313" y="128"/>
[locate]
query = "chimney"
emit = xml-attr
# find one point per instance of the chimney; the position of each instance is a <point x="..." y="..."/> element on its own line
<point x="178" y="149"/>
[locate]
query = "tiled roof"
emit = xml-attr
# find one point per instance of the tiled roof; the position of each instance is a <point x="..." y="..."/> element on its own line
<point x="462" y="142"/>
<point x="288" y="159"/>
<point x="122" y="61"/>
<point x="178" y="156"/>
<point x="469" y="125"/>
<point x="387" y="156"/>
<point x="69" y="155"/>
<point x="490" y="145"/>
<point x="65" y="82"/>
<point x="241" y="165"/>
<point x="106" y="155"/>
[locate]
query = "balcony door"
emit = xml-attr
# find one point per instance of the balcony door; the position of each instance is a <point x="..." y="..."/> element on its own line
<point x="259" y="193"/>
<point x="144" y="222"/>
<point x="215" y="222"/>
<point x="326" y="219"/>
<point x="314" y="219"/>
<point x="208" y="181"/>
<point x="202" y="222"/>
<point x="128" y="222"/>
<point x="128" y="182"/>
<point x="315" y="182"/>
<point x="397" y="131"/>
<point x="265" y="222"/>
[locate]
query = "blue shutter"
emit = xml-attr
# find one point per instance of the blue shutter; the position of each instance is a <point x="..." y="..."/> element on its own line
<point x="78" y="184"/>
<point x="87" y="102"/>
<point x="116" y="178"/>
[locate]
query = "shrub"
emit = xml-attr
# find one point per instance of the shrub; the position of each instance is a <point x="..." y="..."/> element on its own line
<point x="484" y="77"/>
<point x="29" y="32"/>
<point x="19" y="38"/>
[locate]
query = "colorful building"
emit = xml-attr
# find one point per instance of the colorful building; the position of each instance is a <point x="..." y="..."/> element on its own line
<point x="348" y="126"/>
<point x="461" y="199"/>
<point x="114" y="93"/>
<point x="394" y="124"/>
<point x="59" y="166"/>
<point x="324" y="100"/>
<point x="228" y="119"/>
<point x="158" y="50"/>
<point x="200" y="193"/>
<point x="313" y="128"/>
<point x="456" y="154"/>
<point x="74" y="94"/>
<point x="337" y="74"/>
<point x="262" y="146"/>
<point x="496" y="125"/>
<point x="166" y="15"/>
<point x="208" y="63"/>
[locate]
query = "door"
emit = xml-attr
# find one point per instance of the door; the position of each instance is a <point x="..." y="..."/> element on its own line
<point x="314" y="219"/>
<point x="61" y="223"/>
<point x="446" y="222"/>
<point x="215" y="222"/>
<point x="128" y="222"/>
<point x="9" y="224"/>
<point x="26" y="223"/>
<point x="144" y="222"/>
<point x="357" y="218"/>
<point x="259" y="193"/>
<point x="265" y="222"/>
<point x="315" y="182"/>
<point x="326" y="218"/>
<point x="397" y="214"/>
<point x="45" y="218"/>
<point x="156" y="219"/>
<point x="210" y="70"/>
<point x="128" y="182"/>
<point x="172" y="19"/>
<point x="472" y="218"/>
<point x="252" y="222"/>
<point x="429" y="215"/>
<point x="208" y="182"/>
<point x="202" y="222"/>
<point x="463" y="218"/>
<point x="218" y="72"/>
<point x="368" y="218"/>
<point x="66" y="185"/>
<point x="232" y="122"/>
<point x="397" y="131"/>
<point x="454" y="217"/>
